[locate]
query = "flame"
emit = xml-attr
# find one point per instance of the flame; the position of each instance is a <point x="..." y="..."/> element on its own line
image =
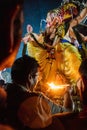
<point x="53" y="86"/>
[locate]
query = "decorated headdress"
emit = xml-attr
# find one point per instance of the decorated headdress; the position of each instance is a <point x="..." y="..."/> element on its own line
<point x="67" y="10"/>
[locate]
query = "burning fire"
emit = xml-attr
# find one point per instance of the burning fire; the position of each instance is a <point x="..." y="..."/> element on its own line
<point x="53" y="86"/>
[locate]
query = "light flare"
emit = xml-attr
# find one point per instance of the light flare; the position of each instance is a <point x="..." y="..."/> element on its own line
<point x="53" y="86"/>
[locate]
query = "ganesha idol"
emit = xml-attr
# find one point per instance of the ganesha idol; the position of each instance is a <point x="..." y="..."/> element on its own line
<point x="58" y="58"/>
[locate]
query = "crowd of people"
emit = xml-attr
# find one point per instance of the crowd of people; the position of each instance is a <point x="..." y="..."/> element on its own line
<point x="21" y="106"/>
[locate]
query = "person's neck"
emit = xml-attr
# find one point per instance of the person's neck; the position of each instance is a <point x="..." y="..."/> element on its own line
<point x="23" y="87"/>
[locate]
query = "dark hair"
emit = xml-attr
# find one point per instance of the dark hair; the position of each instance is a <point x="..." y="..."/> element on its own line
<point x="8" y="5"/>
<point x="2" y="82"/>
<point x="22" y="67"/>
<point x="83" y="68"/>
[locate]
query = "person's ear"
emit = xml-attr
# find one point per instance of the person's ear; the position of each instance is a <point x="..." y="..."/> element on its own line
<point x="30" y="78"/>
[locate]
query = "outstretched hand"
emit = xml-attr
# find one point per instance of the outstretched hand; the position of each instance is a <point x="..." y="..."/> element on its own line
<point x="27" y="36"/>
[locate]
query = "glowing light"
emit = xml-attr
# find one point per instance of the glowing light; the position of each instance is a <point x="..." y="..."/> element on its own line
<point x="53" y="86"/>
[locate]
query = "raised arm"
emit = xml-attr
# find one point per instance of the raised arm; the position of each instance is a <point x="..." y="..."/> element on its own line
<point x="74" y="22"/>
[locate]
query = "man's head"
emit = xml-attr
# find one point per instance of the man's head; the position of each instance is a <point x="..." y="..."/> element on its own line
<point x="11" y="18"/>
<point x="25" y="71"/>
